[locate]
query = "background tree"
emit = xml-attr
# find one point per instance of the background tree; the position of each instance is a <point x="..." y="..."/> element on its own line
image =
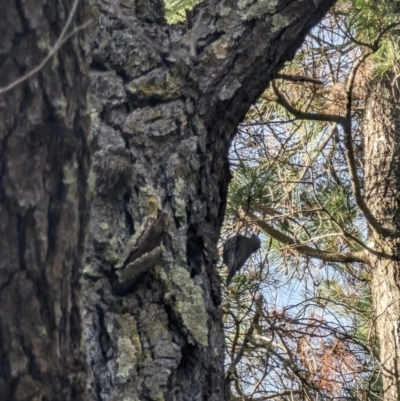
<point x="382" y="194"/>
<point x="44" y="198"/>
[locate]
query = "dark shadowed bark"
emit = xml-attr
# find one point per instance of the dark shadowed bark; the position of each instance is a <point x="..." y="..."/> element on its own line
<point x="382" y="191"/>
<point x="165" y="107"/>
<point x="44" y="198"/>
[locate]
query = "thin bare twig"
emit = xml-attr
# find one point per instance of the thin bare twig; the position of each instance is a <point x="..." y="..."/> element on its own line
<point x="60" y="41"/>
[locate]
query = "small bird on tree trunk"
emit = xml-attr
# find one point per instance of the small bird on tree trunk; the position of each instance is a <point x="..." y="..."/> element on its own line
<point x="236" y="251"/>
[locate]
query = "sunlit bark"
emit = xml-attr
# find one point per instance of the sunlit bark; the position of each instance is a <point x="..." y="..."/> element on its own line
<point x="382" y="186"/>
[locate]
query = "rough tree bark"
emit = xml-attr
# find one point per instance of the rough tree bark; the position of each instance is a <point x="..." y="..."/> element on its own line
<point x="165" y="105"/>
<point x="382" y="192"/>
<point x="44" y="198"/>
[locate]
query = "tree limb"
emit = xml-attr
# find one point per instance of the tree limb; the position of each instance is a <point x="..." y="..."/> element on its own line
<point x="305" y="250"/>
<point x="280" y="99"/>
<point x="298" y="78"/>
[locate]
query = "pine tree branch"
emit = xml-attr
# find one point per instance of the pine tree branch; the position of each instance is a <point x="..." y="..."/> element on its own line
<point x="278" y="395"/>
<point x="305" y="250"/>
<point x="374" y="46"/>
<point x="331" y="118"/>
<point x="298" y="78"/>
<point x="345" y="123"/>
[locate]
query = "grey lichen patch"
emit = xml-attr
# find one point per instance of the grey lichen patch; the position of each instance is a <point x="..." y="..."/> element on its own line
<point x="160" y="83"/>
<point x="60" y="102"/>
<point x="187" y="302"/>
<point x="154" y="122"/>
<point x="256" y="10"/>
<point x="94" y="118"/>
<point x="224" y="10"/>
<point x="95" y="109"/>
<point x="178" y="172"/>
<point x="89" y="269"/>
<point x="220" y="47"/>
<point x="189" y="106"/>
<point x="104" y="226"/>
<point x="159" y="396"/>
<point x="129" y="346"/>
<point x="179" y="202"/>
<point x="279" y="21"/>
<point x="126" y="396"/>
<point x="243" y="4"/>
<point x="229" y="89"/>
<point x="110" y="86"/>
<point x="69" y="173"/>
<point x="110" y="253"/>
<point x="44" y="41"/>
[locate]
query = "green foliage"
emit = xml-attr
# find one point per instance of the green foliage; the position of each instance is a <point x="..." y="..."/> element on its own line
<point x="249" y="184"/>
<point x="366" y="20"/>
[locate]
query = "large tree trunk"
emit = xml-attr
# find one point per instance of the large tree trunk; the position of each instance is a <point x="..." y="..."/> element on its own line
<point x="44" y="198"/>
<point x="163" y="118"/>
<point x="382" y="191"/>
